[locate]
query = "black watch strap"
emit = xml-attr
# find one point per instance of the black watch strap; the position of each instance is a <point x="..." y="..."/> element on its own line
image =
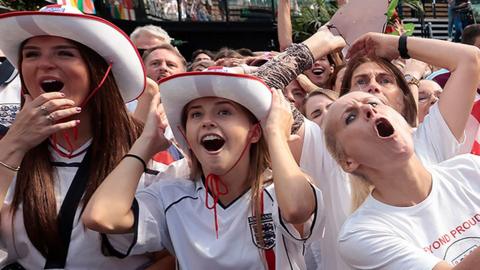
<point x="402" y="47"/>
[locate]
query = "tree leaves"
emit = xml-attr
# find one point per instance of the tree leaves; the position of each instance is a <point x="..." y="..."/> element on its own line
<point x="311" y="16"/>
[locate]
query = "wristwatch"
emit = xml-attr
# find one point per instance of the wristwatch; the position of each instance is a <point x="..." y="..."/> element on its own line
<point x="402" y="47"/>
<point x="412" y="80"/>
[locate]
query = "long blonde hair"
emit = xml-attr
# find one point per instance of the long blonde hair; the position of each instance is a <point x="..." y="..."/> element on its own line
<point x="360" y="186"/>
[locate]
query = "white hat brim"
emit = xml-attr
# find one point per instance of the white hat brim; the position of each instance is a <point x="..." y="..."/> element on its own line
<point x="96" y="33"/>
<point x="178" y="90"/>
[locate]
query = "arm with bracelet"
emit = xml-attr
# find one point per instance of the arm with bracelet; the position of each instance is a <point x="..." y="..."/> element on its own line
<point x="10" y="159"/>
<point x="283" y="68"/>
<point x="32" y="127"/>
<point x="113" y="199"/>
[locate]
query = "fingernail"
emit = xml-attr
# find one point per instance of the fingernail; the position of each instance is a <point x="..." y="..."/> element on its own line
<point x="62" y="94"/>
<point x="79" y="109"/>
<point x="77" y="122"/>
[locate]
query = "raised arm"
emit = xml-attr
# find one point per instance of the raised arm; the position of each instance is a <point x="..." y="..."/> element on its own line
<point x="291" y="183"/>
<point x="109" y="209"/>
<point x="284" y="29"/>
<point x="286" y="66"/>
<point x="36" y="122"/>
<point x="462" y="60"/>
<point x="283" y="68"/>
<point x="144" y="101"/>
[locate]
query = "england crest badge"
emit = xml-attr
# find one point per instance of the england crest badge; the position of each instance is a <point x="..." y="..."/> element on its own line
<point x="268" y="231"/>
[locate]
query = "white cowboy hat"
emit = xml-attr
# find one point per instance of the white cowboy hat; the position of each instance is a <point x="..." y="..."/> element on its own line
<point x="96" y="33"/>
<point x="178" y="90"/>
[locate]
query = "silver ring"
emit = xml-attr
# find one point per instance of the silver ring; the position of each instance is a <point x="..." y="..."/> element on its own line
<point x="44" y="110"/>
<point x="51" y="119"/>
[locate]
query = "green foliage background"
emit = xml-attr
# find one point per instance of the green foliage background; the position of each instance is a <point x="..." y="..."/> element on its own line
<point x="312" y="15"/>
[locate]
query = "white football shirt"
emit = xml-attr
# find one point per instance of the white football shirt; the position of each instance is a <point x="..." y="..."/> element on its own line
<point x="445" y="226"/>
<point x="172" y="215"/>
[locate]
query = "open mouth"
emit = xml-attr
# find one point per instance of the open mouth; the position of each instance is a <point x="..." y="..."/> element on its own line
<point x="51" y="85"/>
<point x="212" y="142"/>
<point x="384" y="128"/>
<point x="318" y="71"/>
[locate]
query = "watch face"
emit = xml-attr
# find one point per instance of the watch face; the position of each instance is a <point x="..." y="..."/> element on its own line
<point x="411" y="80"/>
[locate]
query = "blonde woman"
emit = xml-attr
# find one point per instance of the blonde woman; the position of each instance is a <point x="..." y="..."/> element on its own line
<point x="416" y="216"/>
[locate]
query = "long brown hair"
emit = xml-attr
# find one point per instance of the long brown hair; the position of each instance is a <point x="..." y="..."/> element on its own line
<point x="410" y="105"/>
<point x="113" y="133"/>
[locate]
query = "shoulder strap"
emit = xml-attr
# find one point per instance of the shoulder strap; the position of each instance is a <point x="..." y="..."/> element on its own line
<point x="57" y="258"/>
<point x="6" y="71"/>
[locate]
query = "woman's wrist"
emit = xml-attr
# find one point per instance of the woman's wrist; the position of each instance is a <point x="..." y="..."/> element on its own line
<point x="318" y="46"/>
<point x="414" y="73"/>
<point x="274" y="136"/>
<point x="12" y="152"/>
<point x="144" y="148"/>
<point x="150" y="145"/>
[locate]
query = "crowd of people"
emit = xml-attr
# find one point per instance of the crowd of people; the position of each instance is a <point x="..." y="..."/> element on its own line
<point x="118" y="153"/>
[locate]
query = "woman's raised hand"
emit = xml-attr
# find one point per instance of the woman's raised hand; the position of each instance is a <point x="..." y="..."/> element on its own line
<point x="416" y="68"/>
<point x="144" y="101"/>
<point x="155" y="126"/>
<point x="40" y="118"/>
<point x="280" y="119"/>
<point x="375" y="44"/>
<point x="324" y="42"/>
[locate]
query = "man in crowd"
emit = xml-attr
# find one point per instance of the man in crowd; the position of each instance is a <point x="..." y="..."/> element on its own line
<point x="160" y="61"/>
<point x="148" y="36"/>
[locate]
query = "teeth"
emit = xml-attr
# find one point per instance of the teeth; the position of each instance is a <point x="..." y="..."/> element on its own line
<point x="317" y="71"/>
<point x="49" y="81"/>
<point x="211" y="138"/>
<point x="212" y="142"/>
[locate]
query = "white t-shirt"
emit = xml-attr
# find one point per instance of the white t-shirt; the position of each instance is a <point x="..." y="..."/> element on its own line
<point x="85" y="245"/>
<point x="434" y="143"/>
<point x="472" y="131"/>
<point x="171" y="214"/>
<point x="445" y="226"/>
<point x="433" y="140"/>
<point x="329" y="177"/>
